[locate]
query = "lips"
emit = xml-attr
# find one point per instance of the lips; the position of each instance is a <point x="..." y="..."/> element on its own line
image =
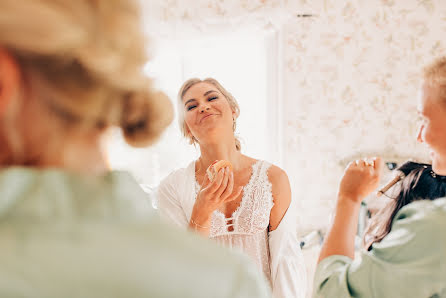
<point x="206" y="116"/>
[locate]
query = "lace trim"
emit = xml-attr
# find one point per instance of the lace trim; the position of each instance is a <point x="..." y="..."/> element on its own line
<point x="252" y="215"/>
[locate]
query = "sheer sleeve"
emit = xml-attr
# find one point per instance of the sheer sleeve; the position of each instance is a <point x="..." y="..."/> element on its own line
<point x="169" y="202"/>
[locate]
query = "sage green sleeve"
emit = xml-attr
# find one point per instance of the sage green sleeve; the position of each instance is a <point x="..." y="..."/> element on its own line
<point x="409" y="262"/>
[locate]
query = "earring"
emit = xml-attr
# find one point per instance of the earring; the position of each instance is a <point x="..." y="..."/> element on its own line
<point x="234" y="124"/>
<point x="192" y="139"/>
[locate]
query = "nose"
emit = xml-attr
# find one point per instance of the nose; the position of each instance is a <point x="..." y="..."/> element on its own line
<point x="420" y="134"/>
<point x="204" y="108"/>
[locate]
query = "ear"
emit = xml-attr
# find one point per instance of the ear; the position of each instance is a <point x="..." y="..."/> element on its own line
<point x="234" y="115"/>
<point x="9" y="79"/>
<point x="186" y="128"/>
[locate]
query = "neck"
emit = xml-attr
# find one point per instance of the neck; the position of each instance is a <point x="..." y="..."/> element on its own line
<point x="41" y="139"/>
<point x="219" y="151"/>
<point x="81" y="156"/>
<point x="93" y="161"/>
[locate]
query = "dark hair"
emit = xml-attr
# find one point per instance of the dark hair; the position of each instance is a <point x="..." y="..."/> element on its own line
<point x="418" y="182"/>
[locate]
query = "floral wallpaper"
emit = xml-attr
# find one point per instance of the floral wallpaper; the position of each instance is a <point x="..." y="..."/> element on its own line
<point x="189" y="17"/>
<point x="351" y="81"/>
<point x="352" y="74"/>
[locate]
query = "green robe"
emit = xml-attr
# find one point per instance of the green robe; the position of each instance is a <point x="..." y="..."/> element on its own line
<point x="409" y="262"/>
<point x="65" y="235"/>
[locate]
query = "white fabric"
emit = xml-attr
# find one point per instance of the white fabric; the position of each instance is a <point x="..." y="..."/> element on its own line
<point x="249" y="222"/>
<point x="277" y="253"/>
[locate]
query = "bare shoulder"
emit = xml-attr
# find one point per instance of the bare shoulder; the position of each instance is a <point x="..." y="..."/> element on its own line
<point x="277" y="176"/>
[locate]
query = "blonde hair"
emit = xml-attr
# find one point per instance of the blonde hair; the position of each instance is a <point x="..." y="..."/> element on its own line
<point x="435" y="74"/>
<point x="85" y="60"/>
<point x="231" y="100"/>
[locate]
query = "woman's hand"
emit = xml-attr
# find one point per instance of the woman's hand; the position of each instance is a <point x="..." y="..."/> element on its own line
<point x="212" y="195"/>
<point x="361" y="177"/>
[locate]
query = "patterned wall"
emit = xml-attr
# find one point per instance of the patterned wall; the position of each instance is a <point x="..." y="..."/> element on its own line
<point x="351" y="86"/>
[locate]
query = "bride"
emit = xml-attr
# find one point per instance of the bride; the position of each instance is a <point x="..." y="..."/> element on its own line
<point x="246" y="205"/>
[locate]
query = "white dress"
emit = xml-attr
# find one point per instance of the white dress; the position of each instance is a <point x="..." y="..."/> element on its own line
<point x="247" y="228"/>
<point x="276" y="253"/>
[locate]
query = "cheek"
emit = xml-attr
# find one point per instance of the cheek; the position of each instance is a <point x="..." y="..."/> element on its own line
<point x="427" y="135"/>
<point x="189" y="119"/>
<point x="435" y="138"/>
<point x="225" y="108"/>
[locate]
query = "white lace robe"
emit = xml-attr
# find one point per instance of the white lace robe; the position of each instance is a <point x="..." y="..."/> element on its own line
<point x="277" y="253"/>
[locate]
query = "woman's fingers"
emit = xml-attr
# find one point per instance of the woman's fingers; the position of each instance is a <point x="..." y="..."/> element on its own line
<point x="215" y="184"/>
<point x="234" y="195"/>
<point x="228" y="191"/>
<point x="205" y="183"/>
<point x="360" y="178"/>
<point x="360" y="162"/>
<point x="378" y="164"/>
<point x="224" y="183"/>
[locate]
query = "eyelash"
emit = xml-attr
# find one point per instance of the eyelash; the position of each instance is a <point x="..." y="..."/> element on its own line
<point x="194" y="106"/>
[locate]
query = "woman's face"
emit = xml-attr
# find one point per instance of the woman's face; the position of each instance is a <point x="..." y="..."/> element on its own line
<point x="432" y="132"/>
<point x="207" y="112"/>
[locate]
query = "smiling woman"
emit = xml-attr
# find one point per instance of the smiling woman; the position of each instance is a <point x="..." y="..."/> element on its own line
<point x="211" y="91"/>
<point x="231" y="58"/>
<point x="244" y="207"/>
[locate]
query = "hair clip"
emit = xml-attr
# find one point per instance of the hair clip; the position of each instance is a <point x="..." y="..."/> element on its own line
<point x="392" y="182"/>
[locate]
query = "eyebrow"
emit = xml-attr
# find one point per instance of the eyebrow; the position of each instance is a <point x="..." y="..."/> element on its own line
<point x="193" y="99"/>
<point x="210" y="91"/>
<point x="189" y="101"/>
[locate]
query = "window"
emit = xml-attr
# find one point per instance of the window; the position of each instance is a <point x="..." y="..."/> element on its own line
<point x="246" y="64"/>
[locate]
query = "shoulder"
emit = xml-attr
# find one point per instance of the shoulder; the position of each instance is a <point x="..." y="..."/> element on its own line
<point x="417" y="231"/>
<point x="280" y="185"/>
<point x="175" y="177"/>
<point x="423" y="214"/>
<point x="277" y="176"/>
<point x="281" y="193"/>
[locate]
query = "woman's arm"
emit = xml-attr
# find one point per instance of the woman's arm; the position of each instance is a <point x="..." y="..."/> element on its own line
<point x="359" y="180"/>
<point x="408" y="262"/>
<point x="281" y="192"/>
<point x="168" y="201"/>
<point x="288" y="271"/>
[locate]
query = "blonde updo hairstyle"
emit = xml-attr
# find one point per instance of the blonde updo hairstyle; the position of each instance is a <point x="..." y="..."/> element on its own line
<point x="435" y="74"/>
<point x="83" y="60"/>
<point x="231" y="100"/>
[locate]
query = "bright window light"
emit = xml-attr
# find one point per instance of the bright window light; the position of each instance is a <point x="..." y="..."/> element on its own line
<point x="242" y="63"/>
